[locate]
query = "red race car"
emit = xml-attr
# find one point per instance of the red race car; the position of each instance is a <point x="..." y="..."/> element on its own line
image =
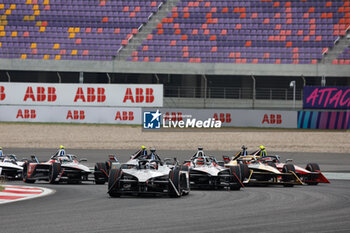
<point x="310" y="175"/>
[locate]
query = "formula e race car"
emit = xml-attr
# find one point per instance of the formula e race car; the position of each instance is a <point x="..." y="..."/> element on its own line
<point x="311" y="175"/>
<point x="144" y="174"/>
<point x="262" y="173"/>
<point x="206" y="172"/>
<point x="10" y="167"/>
<point x="58" y="169"/>
<point x="101" y="172"/>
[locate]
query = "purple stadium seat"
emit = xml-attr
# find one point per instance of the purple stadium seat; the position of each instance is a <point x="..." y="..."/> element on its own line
<point x="87" y="26"/>
<point x="289" y="32"/>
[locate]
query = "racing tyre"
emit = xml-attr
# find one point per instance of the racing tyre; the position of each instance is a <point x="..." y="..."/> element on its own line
<point x="174" y="177"/>
<point x="109" y="165"/>
<point x="185" y="180"/>
<point x="100" y="173"/>
<point x="288" y="168"/>
<point x="54" y="171"/>
<point x="236" y="172"/>
<point x="312" y="167"/>
<point x="25" y="174"/>
<point x="113" y="182"/>
<point x="245" y="171"/>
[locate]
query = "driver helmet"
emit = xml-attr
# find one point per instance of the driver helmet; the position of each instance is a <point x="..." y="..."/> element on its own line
<point x="62" y="147"/>
<point x="262" y="147"/>
<point x="153" y="165"/>
<point x="200" y="161"/>
<point x="152" y="149"/>
<point x="143" y="147"/>
<point x="0" y="148"/>
<point x="63" y="159"/>
<point x="244" y="147"/>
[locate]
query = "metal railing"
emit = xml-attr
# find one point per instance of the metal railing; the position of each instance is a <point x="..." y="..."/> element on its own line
<point x="232" y="93"/>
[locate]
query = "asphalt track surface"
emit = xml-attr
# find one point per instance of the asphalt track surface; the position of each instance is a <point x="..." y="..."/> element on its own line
<point x="88" y="208"/>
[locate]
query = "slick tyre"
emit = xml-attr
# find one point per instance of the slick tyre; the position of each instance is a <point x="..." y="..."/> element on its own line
<point x="312" y="167"/>
<point x="25" y="174"/>
<point x="245" y="171"/>
<point x="288" y="168"/>
<point x="174" y="183"/>
<point x="113" y="182"/>
<point x="236" y="174"/>
<point x="100" y="173"/>
<point x="184" y="180"/>
<point x="54" y="171"/>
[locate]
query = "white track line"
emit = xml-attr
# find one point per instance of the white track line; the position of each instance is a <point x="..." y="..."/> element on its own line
<point x="337" y="176"/>
<point x="28" y="189"/>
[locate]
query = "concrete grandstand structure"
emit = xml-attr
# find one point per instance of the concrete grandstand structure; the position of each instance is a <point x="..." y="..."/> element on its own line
<point x="218" y="53"/>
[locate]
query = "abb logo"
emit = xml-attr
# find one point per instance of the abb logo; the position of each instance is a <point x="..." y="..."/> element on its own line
<point x="272" y="119"/>
<point x="26" y="114"/>
<point x="223" y="117"/>
<point x="140" y="97"/>
<point x="2" y="93"/>
<point x="41" y="94"/>
<point x="173" y="116"/>
<point x="124" y="116"/>
<point x="90" y="95"/>
<point x="76" y="115"/>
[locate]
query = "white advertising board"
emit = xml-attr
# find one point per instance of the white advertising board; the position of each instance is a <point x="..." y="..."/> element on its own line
<point x="97" y="115"/>
<point x="121" y="95"/>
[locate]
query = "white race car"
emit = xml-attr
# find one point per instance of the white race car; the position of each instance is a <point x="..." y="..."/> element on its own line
<point x="206" y="172"/>
<point x="10" y="167"/>
<point x="58" y="169"/>
<point x="148" y="175"/>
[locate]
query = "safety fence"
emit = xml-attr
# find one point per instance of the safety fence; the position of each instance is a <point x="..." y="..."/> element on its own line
<point x="232" y="93"/>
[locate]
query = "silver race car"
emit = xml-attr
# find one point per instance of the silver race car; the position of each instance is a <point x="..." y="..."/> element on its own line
<point x="11" y="167"/>
<point x="206" y="172"/>
<point x="148" y="174"/>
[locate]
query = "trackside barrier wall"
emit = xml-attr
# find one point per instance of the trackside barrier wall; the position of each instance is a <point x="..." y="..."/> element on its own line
<point x="120" y="115"/>
<point x="60" y="114"/>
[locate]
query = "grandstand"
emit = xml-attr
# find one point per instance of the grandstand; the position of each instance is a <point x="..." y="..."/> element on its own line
<point x="211" y="49"/>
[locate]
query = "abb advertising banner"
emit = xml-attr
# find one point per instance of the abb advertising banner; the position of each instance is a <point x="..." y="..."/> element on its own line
<point x="145" y="95"/>
<point x="228" y="117"/>
<point x="326" y="98"/>
<point x="121" y="115"/>
<point x="97" y="115"/>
